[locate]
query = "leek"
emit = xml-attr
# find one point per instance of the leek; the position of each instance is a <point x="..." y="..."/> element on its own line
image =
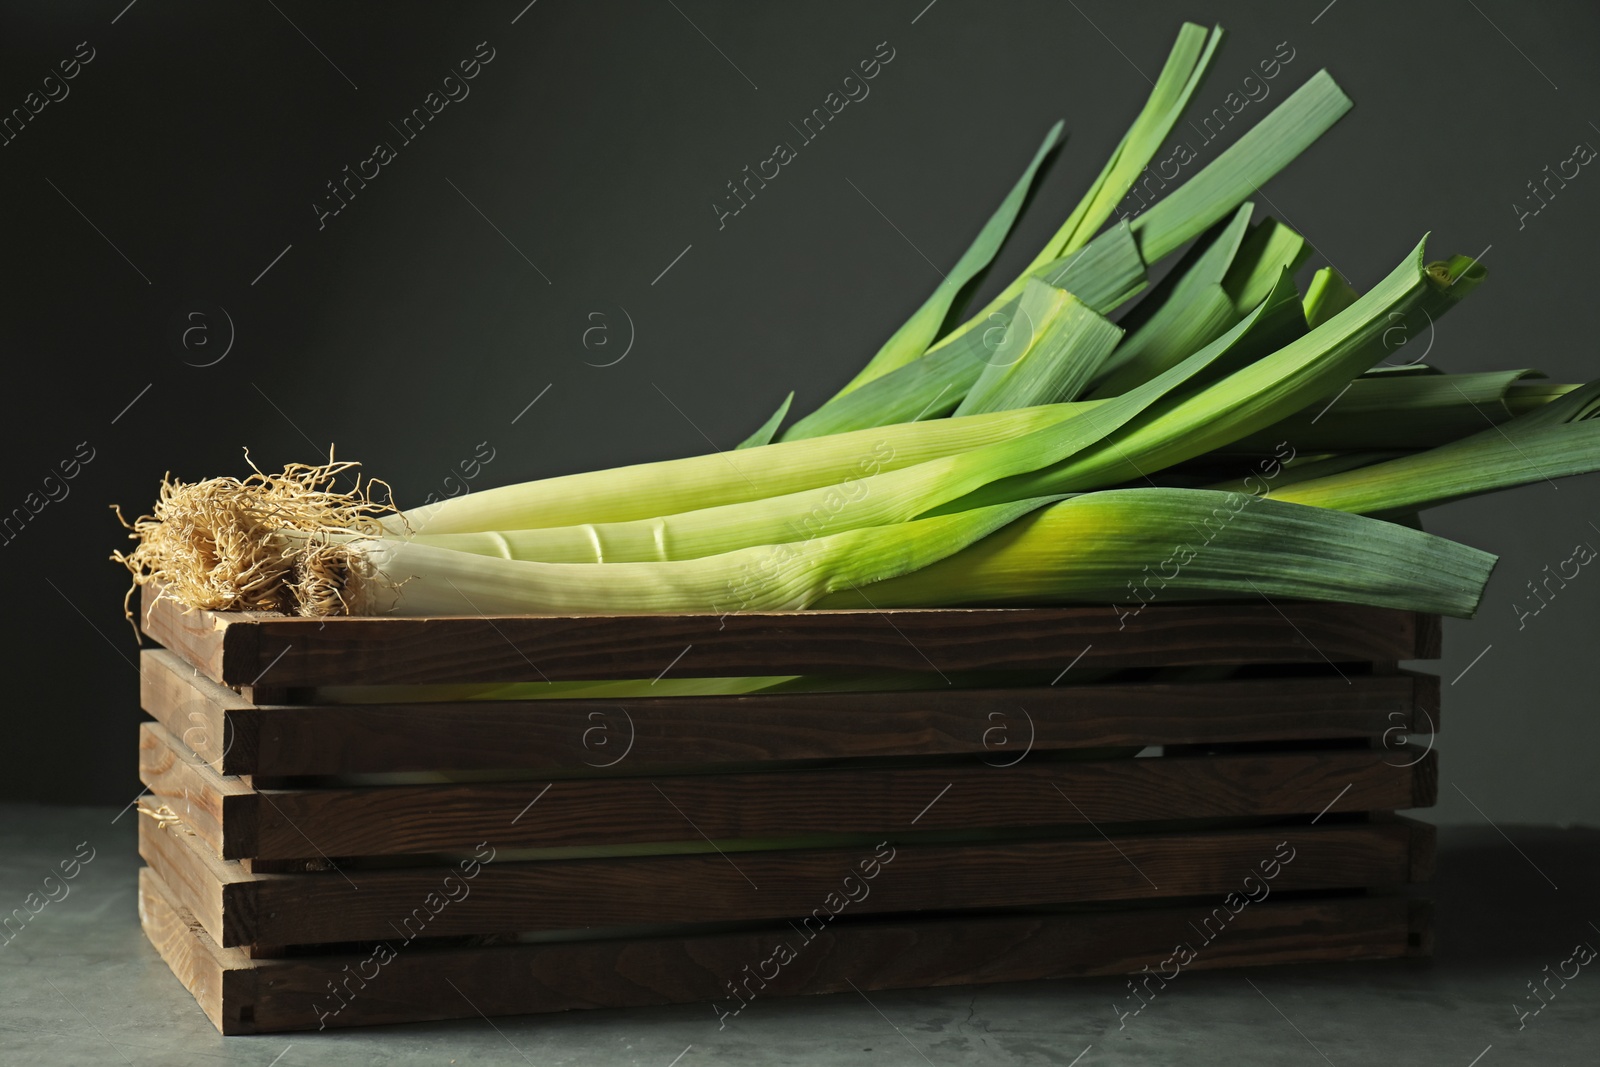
<point x="1129" y="546"/>
<point x="1558" y="440"/>
<point x="365" y="575"/>
<point x="646" y="490"/>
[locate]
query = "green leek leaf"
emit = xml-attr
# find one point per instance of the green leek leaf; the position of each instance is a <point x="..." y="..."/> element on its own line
<point x="1101" y="275"/>
<point x="1256" y="395"/>
<point x="1053" y="347"/>
<point x="1267" y="250"/>
<point x="1183" y="72"/>
<point x="1128" y="547"/>
<point x="1181" y="315"/>
<point x="1328" y="295"/>
<point x="1558" y="440"/>
<point x="1401" y="411"/>
<point x="1243" y="168"/>
<point x="764" y="435"/>
<point x="912" y="339"/>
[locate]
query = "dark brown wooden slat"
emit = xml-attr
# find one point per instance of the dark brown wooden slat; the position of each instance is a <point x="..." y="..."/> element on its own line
<point x="1424" y="838"/>
<point x="201" y="637"/>
<point x="241" y="995"/>
<point x="205" y="716"/>
<point x="247" y="650"/>
<point x="221" y="811"/>
<point x="209" y="889"/>
<point x="219" y="979"/>
<point x="1430" y="637"/>
<point x="239" y="908"/>
<point x="1427" y="700"/>
<point x="237" y="822"/>
<point x="1425" y="780"/>
<point x="397" y="820"/>
<point x="587" y="736"/>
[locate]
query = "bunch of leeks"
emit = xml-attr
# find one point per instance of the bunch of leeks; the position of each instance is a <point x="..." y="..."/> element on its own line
<point x="1225" y="436"/>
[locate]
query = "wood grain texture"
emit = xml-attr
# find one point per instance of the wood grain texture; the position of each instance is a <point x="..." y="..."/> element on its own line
<point x="222" y="981"/>
<point x="237" y="908"/>
<point x="209" y="889"/>
<point x="193" y="708"/>
<point x="1430" y="637"/>
<point x="241" y="995"/>
<point x="590" y="737"/>
<point x="200" y="636"/>
<point x="237" y="822"/>
<point x="220" y="810"/>
<point x="242" y="649"/>
<point x="398" y="820"/>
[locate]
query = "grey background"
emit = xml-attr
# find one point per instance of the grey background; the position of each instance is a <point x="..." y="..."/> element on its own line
<point x="416" y="325"/>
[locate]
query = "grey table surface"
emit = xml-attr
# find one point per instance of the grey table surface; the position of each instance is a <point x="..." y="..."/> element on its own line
<point x="80" y="985"/>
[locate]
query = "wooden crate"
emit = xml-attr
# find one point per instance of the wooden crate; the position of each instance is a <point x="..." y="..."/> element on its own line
<point x="315" y="864"/>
